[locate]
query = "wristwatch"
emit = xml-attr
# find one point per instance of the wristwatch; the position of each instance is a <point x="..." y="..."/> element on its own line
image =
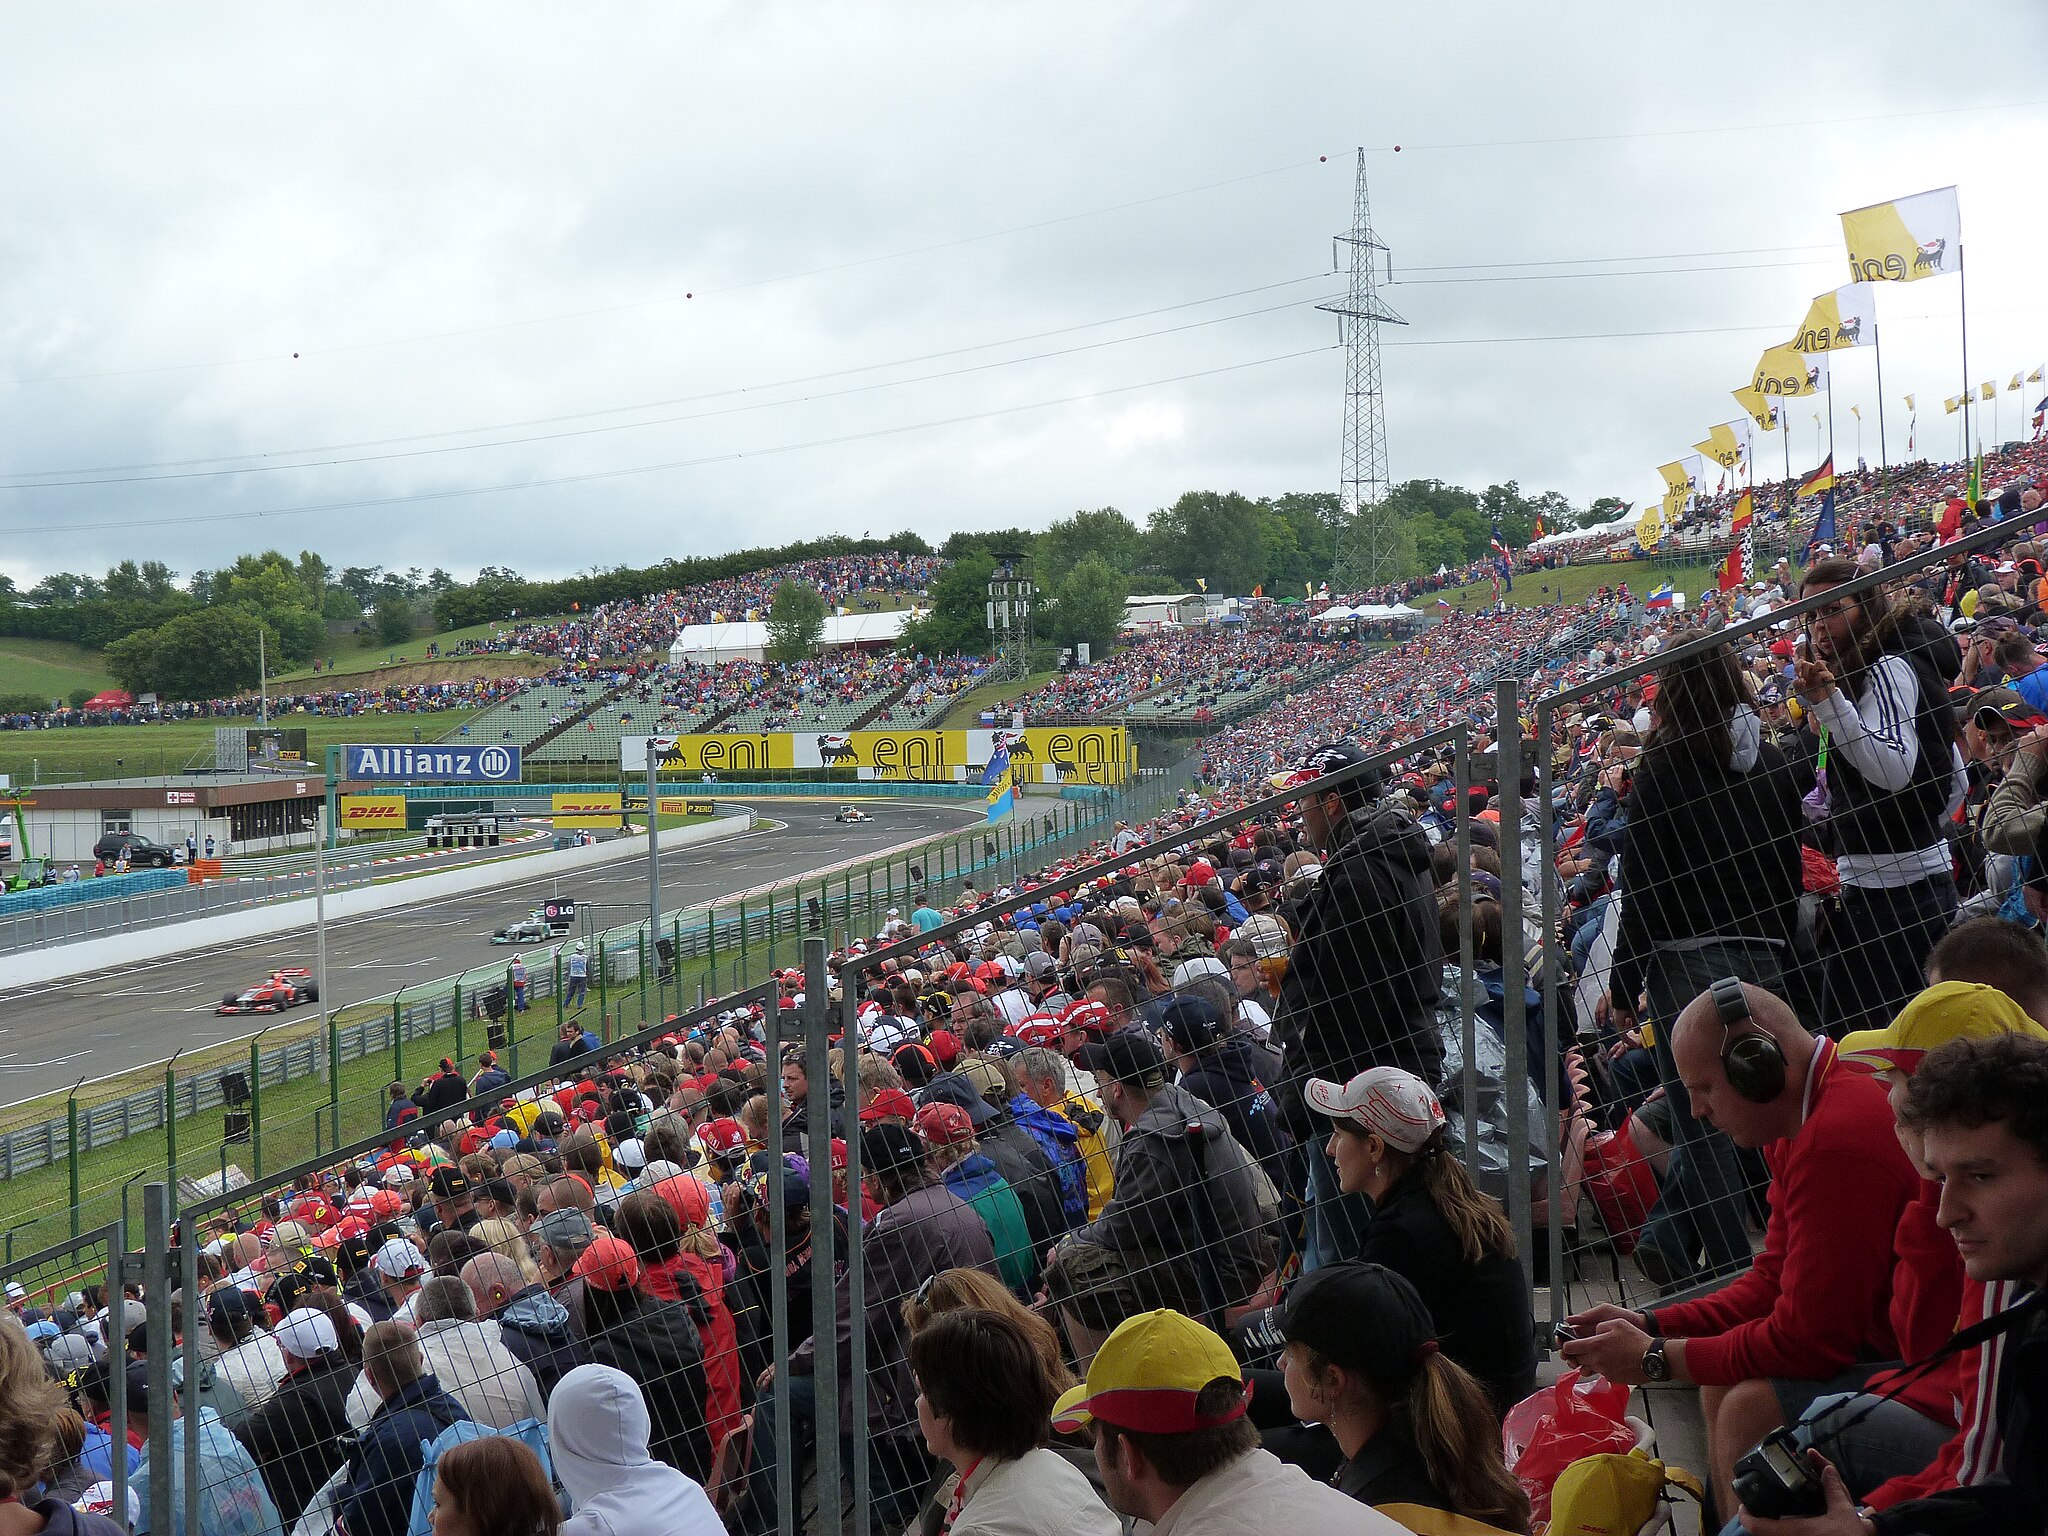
<point x="1655" y="1366"/>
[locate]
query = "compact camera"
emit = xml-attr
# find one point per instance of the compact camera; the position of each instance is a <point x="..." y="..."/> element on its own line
<point x="1776" y="1480"/>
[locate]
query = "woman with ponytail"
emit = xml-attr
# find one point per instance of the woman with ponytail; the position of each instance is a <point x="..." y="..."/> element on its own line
<point x="1420" y="1440"/>
<point x="1432" y="1226"/>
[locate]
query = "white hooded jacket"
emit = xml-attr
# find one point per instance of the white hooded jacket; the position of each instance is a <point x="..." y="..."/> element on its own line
<point x="597" y="1433"/>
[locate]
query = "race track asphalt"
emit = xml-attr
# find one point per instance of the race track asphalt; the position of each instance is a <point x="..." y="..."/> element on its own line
<point x="88" y="1026"/>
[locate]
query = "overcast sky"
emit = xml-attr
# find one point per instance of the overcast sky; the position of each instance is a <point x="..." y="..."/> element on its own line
<point x="244" y="237"/>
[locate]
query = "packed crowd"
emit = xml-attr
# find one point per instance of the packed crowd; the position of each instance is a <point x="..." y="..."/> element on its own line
<point x="1186" y="665"/>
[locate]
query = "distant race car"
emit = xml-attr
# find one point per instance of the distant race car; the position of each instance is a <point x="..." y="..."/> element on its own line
<point x="277" y="992"/>
<point x="530" y="929"/>
<point x="852" y="813"/>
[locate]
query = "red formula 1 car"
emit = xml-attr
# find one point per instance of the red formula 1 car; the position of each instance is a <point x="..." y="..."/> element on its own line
<point x="275" y="993"/>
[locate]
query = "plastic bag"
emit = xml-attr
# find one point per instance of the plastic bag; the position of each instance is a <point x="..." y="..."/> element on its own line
<point x="1574" y="1417"/>
<point x="1623" y="1187"/>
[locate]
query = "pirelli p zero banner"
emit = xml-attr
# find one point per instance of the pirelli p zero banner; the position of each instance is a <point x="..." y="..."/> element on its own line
<point x="1038" y="754"/>
<point x="585" y="809"/>
<point x="373" y="813"/>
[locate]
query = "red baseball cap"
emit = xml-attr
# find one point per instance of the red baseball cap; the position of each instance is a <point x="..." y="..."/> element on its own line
<point x="838" y="1155"/>
<point x="1090" y="1017"/>
<point x="1041" y="1029"/>
<point x="889" y="1104"/>
<point x="608" y="1264"/>
<point x="943" y="1125"/>
<point x="945" y="1047"/>
<point x="722" y="1137"/>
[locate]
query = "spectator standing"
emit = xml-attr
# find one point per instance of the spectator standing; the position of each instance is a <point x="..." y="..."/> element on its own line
<point x="1362" y="978"/>
<point x="532" y="1324"/>
<point x="1876" y="683"/>
<point x="654" y="1342"/>
<point x="232" y="1498"/>
<point x="31" y="1405"/>
<point x="1694" y="908"/>
<point x="1042" y="1075"/>
<point x="579" y="975"/>
<point x="956" y="1157"/>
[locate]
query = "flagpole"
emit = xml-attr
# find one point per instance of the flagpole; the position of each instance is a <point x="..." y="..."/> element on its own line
<point x="1963" y="329"/>
<point x="1884" y="458"/>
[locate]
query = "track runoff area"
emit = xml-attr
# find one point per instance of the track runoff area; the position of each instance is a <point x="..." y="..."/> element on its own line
<point x="107" y="1021"/>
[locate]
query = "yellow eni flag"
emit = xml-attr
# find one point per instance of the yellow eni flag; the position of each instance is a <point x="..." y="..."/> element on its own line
<point x="1909" y="403"/>
<point x="1758" y="406"/>
<point x="1650" y="526"/>
<point x="1988" y="390"/>
<point x="1905" y="240"/>
<point x="2035" y="376"/>
<point x="1952" y="404"/>
<point x="1845" y="318"/>
<point x="1787" y="371"/>
<point x="1722" y="447"/>
<point x="2015" y="384"/>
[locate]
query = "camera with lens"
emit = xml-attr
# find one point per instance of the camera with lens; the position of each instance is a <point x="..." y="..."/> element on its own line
<point x="1776" y="1480"/>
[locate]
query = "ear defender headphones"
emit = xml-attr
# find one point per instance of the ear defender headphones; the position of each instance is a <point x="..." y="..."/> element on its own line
<point x="1753" y="1061"/>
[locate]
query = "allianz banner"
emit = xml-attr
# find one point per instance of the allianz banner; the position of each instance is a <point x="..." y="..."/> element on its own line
<point x="1038" y="754"/>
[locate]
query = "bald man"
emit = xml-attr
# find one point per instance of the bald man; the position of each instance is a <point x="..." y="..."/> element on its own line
<point x="1811" y="1315"/>
<point x="533" y="1324"/>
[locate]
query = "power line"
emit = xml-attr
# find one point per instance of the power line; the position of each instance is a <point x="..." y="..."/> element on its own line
<point x="633" y="304"/>
<point x="1577" y="261"/>
<point x="653" y="405"/>
<point x="660" y="421"/>
<point x="257" y="514"/>
<point x="1539" y="277"/>
<point x="1675" y="133"/>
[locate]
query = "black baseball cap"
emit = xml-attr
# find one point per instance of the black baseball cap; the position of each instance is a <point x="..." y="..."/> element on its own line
<point x="1128" y="1056"/>
<point x="1363" y="1317"/>
<point x="1192" y="1023"/>
<point x="1334" y="757"/>
<point x="448" y="1183"/>
<point x="889" y="1147"/>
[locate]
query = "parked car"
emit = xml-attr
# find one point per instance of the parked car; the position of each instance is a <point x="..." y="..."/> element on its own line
<point x="142" y="853"/>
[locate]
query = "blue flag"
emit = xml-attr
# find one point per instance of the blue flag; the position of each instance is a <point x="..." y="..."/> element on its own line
<point x="1502" y="557"/>
<point x="1824" y="528"/>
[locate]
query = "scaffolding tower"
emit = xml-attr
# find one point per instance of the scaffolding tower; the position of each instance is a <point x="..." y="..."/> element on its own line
<point x="1366" y="556"/>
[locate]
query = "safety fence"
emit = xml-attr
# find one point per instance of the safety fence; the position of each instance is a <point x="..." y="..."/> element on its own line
<point x="300" y="1086"/>
<point x="768" y="1253"/>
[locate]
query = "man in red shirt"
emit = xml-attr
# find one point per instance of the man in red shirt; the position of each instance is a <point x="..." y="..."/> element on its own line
<point x="1811" y="1314"/>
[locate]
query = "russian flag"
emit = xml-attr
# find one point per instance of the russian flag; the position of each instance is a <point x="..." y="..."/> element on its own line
<point x="1443" y="602"/>
<point x="1660" y="598"/>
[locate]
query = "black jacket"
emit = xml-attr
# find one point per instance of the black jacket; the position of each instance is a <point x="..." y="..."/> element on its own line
<point x="1229" y="1078"/>
<point x="1482" y="1311"/>
<point x="1712" y="852"/>
<point x="657" y="1344"/>
<point x="2015" y="1498"/>
<point x="536" y="1328"/>
<point x="1363" y="975"/>
<point x="444" y="1090"/>
<point x="301" y="1434"/>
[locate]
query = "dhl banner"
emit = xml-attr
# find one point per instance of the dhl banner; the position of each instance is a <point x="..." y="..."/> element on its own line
<point x="587" y="809"/>
<point x="1905" y="240"/>
<point x="1038" y="754"/>
<point x="1845" y="318"/>
<point x="373" y="813"/>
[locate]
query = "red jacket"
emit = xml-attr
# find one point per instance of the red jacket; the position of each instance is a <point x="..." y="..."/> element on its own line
<point x="1927" y="1293"/>
<point x="1816" y="1299"/>
<point x="1976" y="1449"/>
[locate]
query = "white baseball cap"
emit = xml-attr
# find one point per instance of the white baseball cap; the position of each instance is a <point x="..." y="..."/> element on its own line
<point x="630" y="1153"/>
<point x="306" y="1333"/>
<point x="1397" y="1105"/>
<point x="1198" y="965"/>
<point x="398" y="1258"/>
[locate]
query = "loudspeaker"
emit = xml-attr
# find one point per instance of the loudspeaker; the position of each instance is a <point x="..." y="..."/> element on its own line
<point x="1753" y="1061"/>
<point x="234" y="1089"/>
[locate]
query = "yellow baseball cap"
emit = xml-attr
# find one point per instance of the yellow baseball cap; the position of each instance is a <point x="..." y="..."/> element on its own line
<point x="1948" y="1010"/>
<point x="1147" y="1376"/>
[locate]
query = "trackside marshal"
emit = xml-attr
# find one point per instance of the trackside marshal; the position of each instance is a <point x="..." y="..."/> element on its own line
<point x="461" y="764"/>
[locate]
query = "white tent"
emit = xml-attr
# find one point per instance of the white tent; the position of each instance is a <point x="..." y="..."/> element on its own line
<point x="709" y="644"/>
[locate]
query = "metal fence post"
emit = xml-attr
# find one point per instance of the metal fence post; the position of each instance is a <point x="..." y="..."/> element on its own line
<point x="156" y="1282"/>
<point x="1514" y="1022"/>
<point x="397" y="1038"/>
<point x="256" y="1105"/>
<point x="333" y="1086"/>
<point x="739" y="978"/>
<point x="824" y="1304"/>
<point x="604" y="982"/>
<point x="640" y="947"/>
<point x="778" y="1287"/>
<point x="1468" y="1015"/>
<point x="1546" y="832"/>
<point x="171" y="1114"/>
<point x="71" y="1149"/>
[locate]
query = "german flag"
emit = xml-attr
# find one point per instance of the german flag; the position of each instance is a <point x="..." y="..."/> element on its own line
<point x="1822" y="479"/>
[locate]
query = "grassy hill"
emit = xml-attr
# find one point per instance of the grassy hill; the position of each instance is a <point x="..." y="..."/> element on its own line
<point x="1576" y="583"/>
<point x="351" y="659"/>
<point x="116" y="751"/>
<point x="50" y="669"/>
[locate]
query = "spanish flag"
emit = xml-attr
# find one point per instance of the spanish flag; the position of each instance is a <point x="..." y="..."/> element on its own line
<point x="1822" y="479"/>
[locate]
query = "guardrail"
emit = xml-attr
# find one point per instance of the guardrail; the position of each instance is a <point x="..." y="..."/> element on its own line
<point x="725" y="946"/>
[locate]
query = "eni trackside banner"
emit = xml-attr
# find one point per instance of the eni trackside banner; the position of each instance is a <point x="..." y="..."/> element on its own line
<point x="1038" y="754"/>
<point x="380" y="813"/>
<point x="460" y="764"/>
